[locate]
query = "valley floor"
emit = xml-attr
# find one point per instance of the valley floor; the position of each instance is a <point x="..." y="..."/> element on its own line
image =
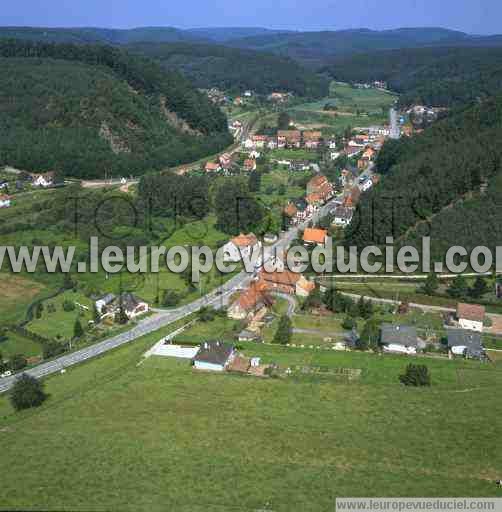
<point x="119" y="435"/>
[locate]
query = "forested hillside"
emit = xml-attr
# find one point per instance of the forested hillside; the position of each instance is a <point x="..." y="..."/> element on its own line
<point x="444" y="181"/>
<point x="319" y="48"/>
<point x="87" y="110"/>
<point x="434" y="76"/>
<point x="233" y="69"/>
<point x="98" y="35"/>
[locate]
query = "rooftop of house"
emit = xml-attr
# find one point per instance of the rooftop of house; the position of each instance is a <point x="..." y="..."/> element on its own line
<point x="214" y="352"/>
<point x="463" y="338"/>
<point x="312" y="235"/>
<point x="318" y="181"/>
<point x="291" y="210"/>
<point x="243" y="240"/>
<point x="108" y="298"/>
<point x="212" y="166"/>
<point x="472" y="312"/>
<point x="399" y="335"/>
<point x="342" y="212"/>
<point x="286" y="277"/>
<point x="129" y="301"/>
<point x="252" y="296"/>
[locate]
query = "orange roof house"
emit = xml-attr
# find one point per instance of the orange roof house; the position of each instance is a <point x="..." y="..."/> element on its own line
<point x="243" y="240"/>
<point x="291" y="210"/>
<point x="315" y="236"/>
<point x="212" y="166"/>
<point x="250" y="301"/>
<point x="286" y="281"/>
<point x="321" y="186"/>
<point x="249" y="164"/>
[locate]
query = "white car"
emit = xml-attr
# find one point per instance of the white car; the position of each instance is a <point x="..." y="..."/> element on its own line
<point x="8" y="373"/>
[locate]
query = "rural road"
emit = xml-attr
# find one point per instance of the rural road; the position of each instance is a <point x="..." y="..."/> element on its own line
<point x="217" y="298"/>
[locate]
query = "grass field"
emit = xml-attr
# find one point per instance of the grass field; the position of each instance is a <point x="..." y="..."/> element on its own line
<point x="354" y="107"/>
<point x="117" y="436"/>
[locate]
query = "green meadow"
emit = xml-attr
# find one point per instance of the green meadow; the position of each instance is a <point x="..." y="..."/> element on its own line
<point x="120" y="434"/>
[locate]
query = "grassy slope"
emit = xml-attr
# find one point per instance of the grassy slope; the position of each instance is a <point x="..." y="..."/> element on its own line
<point x="117" y="436"/>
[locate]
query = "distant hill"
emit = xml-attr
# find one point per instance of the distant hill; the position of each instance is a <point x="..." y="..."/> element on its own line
<point x="87" y="110"/>
<point x="317" y="48"/>
<point x="207" y="65"/>
<point x="99" y="35"/>
<point x="433" y="76"/>
<point x="224" y="34"/>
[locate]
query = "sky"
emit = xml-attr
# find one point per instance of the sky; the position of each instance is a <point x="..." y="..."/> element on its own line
<point x="472" y="16"/>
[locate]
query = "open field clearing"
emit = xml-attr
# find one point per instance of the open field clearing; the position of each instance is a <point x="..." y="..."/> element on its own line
<point x="117" y="436"/>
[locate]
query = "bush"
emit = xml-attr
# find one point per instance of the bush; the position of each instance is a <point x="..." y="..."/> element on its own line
<point x="207" y="314"/>
<point x="349" y="323"/>
<point x="18" y="362"/>
<point x="416" y="375"/>
<point x="27" y="392"/>
<point x="171" y="298"/>
<point x="68" y="306"/>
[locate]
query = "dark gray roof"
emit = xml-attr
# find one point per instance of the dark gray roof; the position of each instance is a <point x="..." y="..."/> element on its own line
<point x="470" y="340"/>
<point x="108" y="298"/>
<point x="249" y="335"/>
<point x="341" y="212"/>
<point x="399" y="335"/>
<point x="129" y="301"/>
<point x="214" y="352"/>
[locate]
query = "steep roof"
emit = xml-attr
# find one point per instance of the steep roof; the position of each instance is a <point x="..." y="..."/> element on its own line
<point x="317" y="236"/>
<point x="243" y="240"/>
<point x="399" y="335"/>
<point x="463" y="338"/>
<point x="472" y="312"/>
<point x="286" y="277"/>
<point x="290" y="210"/>
<point x="214" y="352"/>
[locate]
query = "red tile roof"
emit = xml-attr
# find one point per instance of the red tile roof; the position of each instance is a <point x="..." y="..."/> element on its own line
<point x="472" y="312"/>
<point x="317" y="236"/>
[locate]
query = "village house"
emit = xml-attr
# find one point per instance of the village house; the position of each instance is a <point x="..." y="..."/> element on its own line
<point x="241" y="246"/>
<point x="214" y="356"/>
<point x="312" y="139"/>
<point x="465" y="343"/>
<point x="352" y="151"/>
<point x="471" y="316"/>
<point x="102" y="303"/>
<point x="259" y="141"/>
<point x="290" y="211"/>
<point x="290" y="283"/>
<point x="225" y="160"/>
<point x="342" y="216"/>
<point x="212" y="167"/>
<point x="312" y="236"/>
<point x="289" y="139"/>
<point x="303" y="209"/>
<point x="249" y="165"/>
<point x="5" y="201"/>
<point x="400" y="339"/>
<point x="320" y="185"/>
<point x="132" y="306"/>
<point x="44" y="180"/>
<point x="250" y="302"/>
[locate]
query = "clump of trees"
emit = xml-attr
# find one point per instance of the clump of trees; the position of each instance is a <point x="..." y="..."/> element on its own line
<point x="416" y="375"/>
<point x="284" y="331"/>
<point x="27" y="392"/>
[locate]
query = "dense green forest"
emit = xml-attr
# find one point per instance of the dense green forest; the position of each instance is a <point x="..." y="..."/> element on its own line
<point x="89" y="110"/>
<point x="432" y="76"/>
<point x="319" y="48"/>
<point x="445" y="182"/>
<point x="208" y="65"/>
<point x="98" y="35"/>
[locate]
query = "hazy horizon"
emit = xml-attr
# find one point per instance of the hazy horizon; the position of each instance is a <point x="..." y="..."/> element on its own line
<point x="461" y="15"/>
